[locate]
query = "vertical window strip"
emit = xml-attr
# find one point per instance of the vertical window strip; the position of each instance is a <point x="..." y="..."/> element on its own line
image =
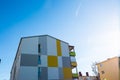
<point x="39" y="60"/>
<point x="39" y="48"/>
<point x="39" y="71"/>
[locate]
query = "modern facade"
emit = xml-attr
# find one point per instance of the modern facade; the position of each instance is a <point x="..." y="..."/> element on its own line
<point x="109" y="69"/>
<point x="44" y="58"/>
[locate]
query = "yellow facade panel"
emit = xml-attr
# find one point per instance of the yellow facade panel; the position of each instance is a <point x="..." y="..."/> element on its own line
<point x="74" y="64"/>
<point x="52" y="61"/>
<point x="67" y="73"/>
<point x="59" y="52"/>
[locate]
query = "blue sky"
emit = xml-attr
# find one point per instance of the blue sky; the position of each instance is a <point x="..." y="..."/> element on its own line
<point x="92" y="26"/>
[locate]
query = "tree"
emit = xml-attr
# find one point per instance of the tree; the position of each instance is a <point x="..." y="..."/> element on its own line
<point x="94" y="68"/>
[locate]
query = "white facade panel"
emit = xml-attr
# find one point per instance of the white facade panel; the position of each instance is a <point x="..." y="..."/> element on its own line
<point x="29" y="45"/>
<point x="54" y="74"/>
<point x="60" y="62"/>
<point x="44" y="60"/>
<point x="65" y="49"/>
<point x="51" y="46"/>
<point x="28" y="73"/>
<point x="73" y="59"/>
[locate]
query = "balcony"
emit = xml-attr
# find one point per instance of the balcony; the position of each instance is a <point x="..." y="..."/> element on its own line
<point x="71" y="47"/>
<point x="73" y="64"/>
<point x="75" y="75"/>
<point x="72" y="54"/>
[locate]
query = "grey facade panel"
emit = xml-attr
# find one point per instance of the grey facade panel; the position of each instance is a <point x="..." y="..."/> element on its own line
<point x="66" y="62"/>
<point x="43" y="43"/>
<point x="44" y="73"/>
<point x="29" y="60"/>
<point x="60" y="70"/>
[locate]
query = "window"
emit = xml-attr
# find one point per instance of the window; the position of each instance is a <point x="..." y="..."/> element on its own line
<point x="101" y="65"/>
<point x="39" y="71"/>
<point x="102" y="72"/>
<point x="39" y="60"/>
<point x="39" y="48"/>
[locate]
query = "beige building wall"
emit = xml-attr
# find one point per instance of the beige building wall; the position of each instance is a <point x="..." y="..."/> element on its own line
<point x="109" y="69"/>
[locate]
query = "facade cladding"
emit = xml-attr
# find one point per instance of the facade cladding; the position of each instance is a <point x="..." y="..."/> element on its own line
<point x="44" y="58"/>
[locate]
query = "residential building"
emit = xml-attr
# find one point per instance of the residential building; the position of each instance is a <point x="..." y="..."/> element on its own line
<point x="44" y="58"/>
<point x="109" y="69"/>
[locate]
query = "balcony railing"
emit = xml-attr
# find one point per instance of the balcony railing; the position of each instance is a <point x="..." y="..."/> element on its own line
<point x="75" y="75"/>
<point x="73" y="64"/>
<point x="72" y="54"/>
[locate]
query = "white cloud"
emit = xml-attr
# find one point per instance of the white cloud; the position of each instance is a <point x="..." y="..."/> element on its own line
<point x="77" y="10"/>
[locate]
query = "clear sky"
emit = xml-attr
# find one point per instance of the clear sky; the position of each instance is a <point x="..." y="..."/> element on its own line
<point x="92" y="26"/>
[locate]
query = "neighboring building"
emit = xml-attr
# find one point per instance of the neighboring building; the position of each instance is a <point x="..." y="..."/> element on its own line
<point x="109" y="69"/>
<point x="44" y="58"/>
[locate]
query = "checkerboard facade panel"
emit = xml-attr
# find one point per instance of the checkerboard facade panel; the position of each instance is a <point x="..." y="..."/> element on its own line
<point x="44" y="62"/>
<point x="53" y="73"/>
<point x="51" y="46"/>
<point x="44" y="73"/>
<point x="66" y="62"/>
<point x="67" y="73"/>
<point x="64" y="49"/>
<point x="58" y="43"/>
<point x="52" y="61"/>
<point x="60" y="63"/>
<point x="61" y="75"/>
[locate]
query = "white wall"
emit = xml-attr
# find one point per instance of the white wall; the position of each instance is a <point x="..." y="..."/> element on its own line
<point x="65" y="49"/>
<point x="54" y="73"/>
<point x="51" y="46"/>
<point x="29" y="45"/>
<point x="28" y="73"/>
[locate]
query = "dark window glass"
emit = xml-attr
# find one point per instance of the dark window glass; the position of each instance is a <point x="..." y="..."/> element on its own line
<point x="39" y="48"/>
<point x="39" y="60"/>
<point x="102" y="72"/>
<point x="39" y="71"/>
<point x="101" y="65"/>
